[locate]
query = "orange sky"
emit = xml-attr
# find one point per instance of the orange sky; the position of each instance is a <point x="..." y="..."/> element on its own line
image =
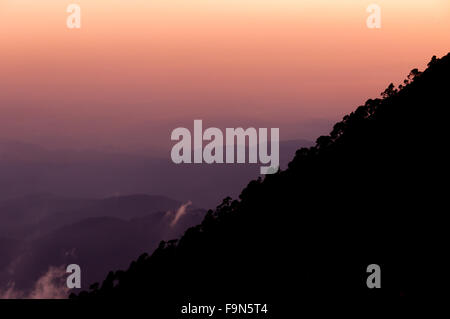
<point x="137" y="69"/>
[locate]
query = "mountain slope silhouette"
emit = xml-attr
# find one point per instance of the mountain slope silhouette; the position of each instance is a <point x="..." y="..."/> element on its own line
<point x="371" y="192"/>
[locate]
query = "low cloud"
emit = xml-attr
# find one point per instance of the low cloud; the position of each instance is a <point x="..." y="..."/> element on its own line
<point x="180" y="213"/>
<point x="52" y="285"/>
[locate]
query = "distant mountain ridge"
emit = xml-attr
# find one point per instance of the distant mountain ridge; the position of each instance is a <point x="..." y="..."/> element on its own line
<point x="43" y="230"/>
<point x="41" y="212"/>
<point x="29" y="169"/>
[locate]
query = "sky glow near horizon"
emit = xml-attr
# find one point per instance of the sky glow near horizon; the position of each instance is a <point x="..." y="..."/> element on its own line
<point x="137" y="69"/>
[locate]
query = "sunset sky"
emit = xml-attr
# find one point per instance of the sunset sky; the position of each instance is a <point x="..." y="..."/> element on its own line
<point x="139" y="68"/>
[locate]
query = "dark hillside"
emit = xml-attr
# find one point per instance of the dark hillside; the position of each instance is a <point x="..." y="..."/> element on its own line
<point x="373" y="191"/>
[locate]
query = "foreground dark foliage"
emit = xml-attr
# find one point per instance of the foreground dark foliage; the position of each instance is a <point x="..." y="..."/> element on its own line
<point x="373" y="191"/>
